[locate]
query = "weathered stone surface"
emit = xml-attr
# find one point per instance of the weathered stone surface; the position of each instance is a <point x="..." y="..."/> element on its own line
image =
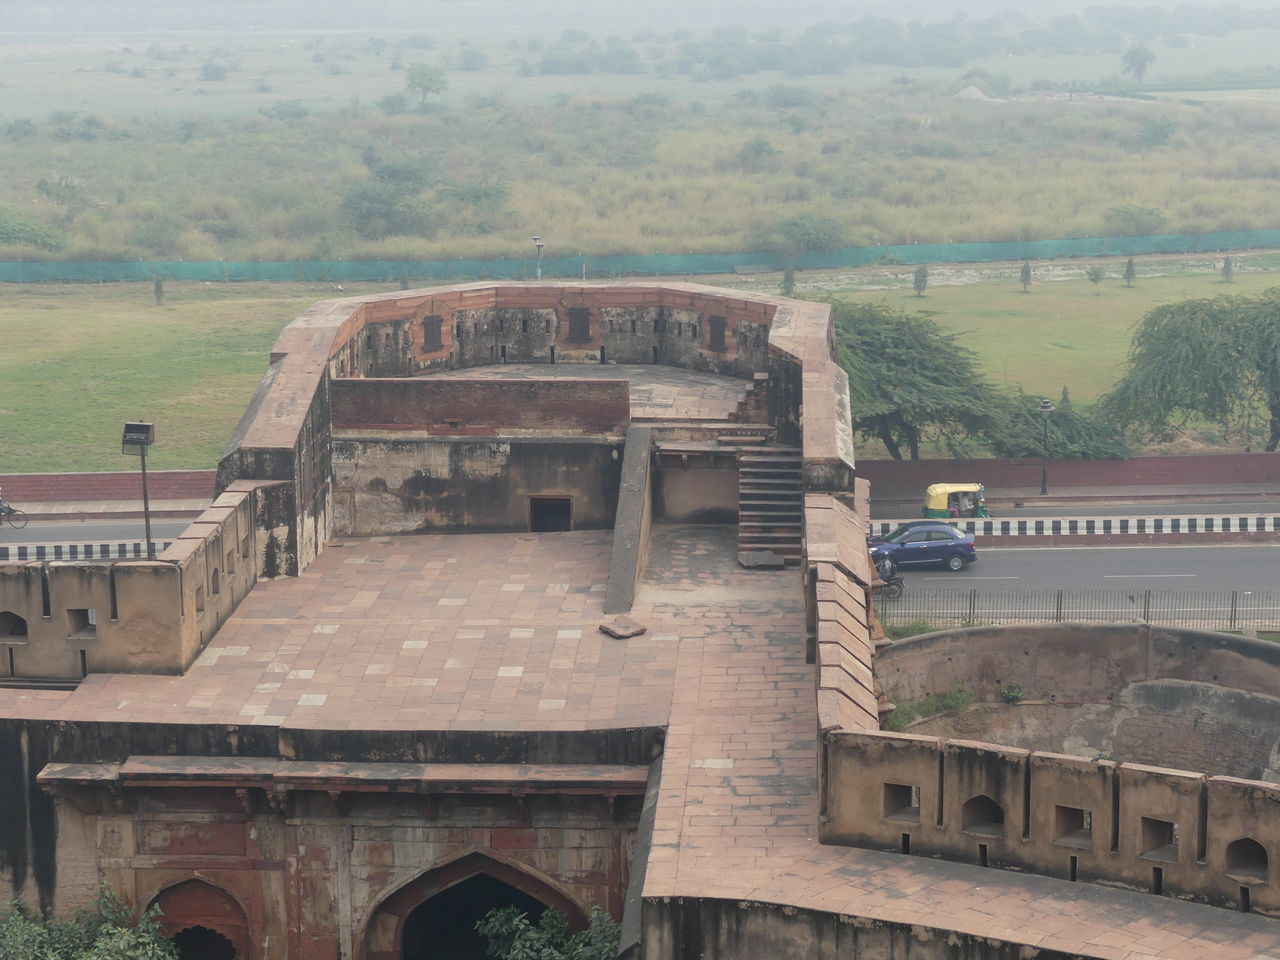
<point x="767" y="559"/>
<point x="623" y="628"/>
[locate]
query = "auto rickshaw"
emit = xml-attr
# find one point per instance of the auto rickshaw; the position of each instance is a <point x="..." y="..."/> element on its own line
<point x="942" y="500"/>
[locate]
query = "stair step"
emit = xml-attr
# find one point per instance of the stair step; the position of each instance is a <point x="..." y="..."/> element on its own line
<point x="790" y="527"/>
<point x="769" y="449"/>
<point x="771" y="482"/>
<point x="764" y="512"/>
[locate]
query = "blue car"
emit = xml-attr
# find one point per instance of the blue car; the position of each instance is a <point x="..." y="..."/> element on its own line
<point x="925" y="542"/>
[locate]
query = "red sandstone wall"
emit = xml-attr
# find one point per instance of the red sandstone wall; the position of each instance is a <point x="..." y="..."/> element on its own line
<point x="483" y="407"/>
<point x="1216" y="468"/>
<point x="22" y="488"/>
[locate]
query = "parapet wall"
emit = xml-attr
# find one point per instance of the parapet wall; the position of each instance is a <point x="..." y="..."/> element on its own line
<point x="483" y="408"/>
<point x="1175" y="832"/>
<point x="64" y="620"/>
<point x="1168" y="831"/>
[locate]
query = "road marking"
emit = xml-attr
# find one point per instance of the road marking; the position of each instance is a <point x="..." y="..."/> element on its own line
<point x="973" y="578"/>
<point x="1135" y="576"/>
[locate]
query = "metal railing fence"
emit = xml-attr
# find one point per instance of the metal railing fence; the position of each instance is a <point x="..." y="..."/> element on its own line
<point x="1200" y="609"/>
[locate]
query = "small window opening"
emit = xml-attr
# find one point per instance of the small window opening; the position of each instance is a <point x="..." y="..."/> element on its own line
<point x="82" y="623"/>
<point x="602" y="358"/>
<point x="1244" y="900"/>
<point x="504" y="353"/>
<point x="84" y="663"/>
<point x="550" y="514"/>
<point x="493" y="351"/>
<point x="633" y="324"/>
<point x="12" y="626"/>
<point x="982" y="855"/>
<point x="553" y="354"/>
<point x="453" y="424"/>
<point x="244" y="546"/>
<point x="230" y="565"/>
<point x="906" y="843"/>
<point x="502" y="324"/>
<point x="1159" y="840"/>
<point x="1247" y="861"/>
<point x="1074" y="870"/>
<point x="1073" y="827"/>
<point x="1157" y="880"/>
<point x="368" y="340"/>
<point x="716" y="339"/>
<point x="432" y="333"/>
<point x="215" y="585"/>
<point x="901" y="802"/>
<point x="983" y="816"/>
<point x="524" y="324"/>
<point x="199" y="599"/>
<point x="457" y="331"/>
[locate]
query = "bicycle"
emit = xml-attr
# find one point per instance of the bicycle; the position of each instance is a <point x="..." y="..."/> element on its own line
<point x="17" y="518"/>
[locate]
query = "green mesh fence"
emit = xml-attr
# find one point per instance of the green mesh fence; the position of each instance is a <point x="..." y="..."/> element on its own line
<point x="390" y="271"/>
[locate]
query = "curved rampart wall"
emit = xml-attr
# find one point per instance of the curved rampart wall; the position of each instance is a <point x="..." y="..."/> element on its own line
<point x="1178" y="832"/>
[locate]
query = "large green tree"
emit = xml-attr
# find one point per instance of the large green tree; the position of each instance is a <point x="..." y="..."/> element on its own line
<point x="1218" y="359"/>
<point x="910" y="379"/>
<point x="1019" y="429"/>
<point x="1137" y="60"/>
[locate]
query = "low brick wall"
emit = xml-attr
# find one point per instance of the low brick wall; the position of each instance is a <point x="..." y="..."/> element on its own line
<point x="483" y="408"/>
<point x="22" y="488"/>
<point x="889" y="475"/>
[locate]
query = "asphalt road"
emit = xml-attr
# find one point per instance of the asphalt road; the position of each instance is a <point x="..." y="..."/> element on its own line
<point x="1271" y="507"/>
<point x="1209" y="567"/>
<point x="89" y="531"/>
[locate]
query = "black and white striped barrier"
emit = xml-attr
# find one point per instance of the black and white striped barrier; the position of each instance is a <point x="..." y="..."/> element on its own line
<point x="1101" y="526"/>
<point x="118" y="550"/>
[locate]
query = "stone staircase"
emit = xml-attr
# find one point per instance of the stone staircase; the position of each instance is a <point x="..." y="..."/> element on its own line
<point x="770" y="504"/>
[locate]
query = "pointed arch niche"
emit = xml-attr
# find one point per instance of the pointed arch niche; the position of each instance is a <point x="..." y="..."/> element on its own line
<point x="204" y="921"/>
<point x="437" y="906"/>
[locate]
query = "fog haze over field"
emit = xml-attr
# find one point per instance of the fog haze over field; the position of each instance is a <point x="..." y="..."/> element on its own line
<point x="506" y="16"/>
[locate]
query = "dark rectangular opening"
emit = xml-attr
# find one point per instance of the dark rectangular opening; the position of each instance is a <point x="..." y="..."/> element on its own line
<point x="655" y="354"/>
<point x="82" y="623"/>
<point x="504" y="353"/>
<point x="84" y="664"/>
<point x="431" y="333"/>
<point x="1074" y="869"/>
<point x="12" y="671"/>
<point x="1244" y="899"/>
<point x="1159" y="839"/>
<point x="502" y="324"/>
<point x="602" y="357"/>
<point x="901" y="802"/>
<point x="716" y="339"/>
<point x="660" y="322"/>
<point x="524" y="324"/>
<point x="1073" y="827"/>
<point x="553" y="354"/>
<point x="550" y="514"/>
<point x="982" y="854"/>
<point x="906" y="845"/>
<point x="1157" y="880"/>
<point x="579" y="323"/>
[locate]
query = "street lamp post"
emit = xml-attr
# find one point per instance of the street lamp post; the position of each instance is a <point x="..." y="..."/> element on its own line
<point x="537" y="242"/>
<point x="1046" y="408"/>
<point x="137" y="437"/>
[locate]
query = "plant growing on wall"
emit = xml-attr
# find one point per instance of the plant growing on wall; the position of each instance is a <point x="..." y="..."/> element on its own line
<point x="512" y="936"/>
<point x="1012" y="692"/>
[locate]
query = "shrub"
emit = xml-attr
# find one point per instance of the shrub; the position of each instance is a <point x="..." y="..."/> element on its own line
<point x="1012" y="692"/>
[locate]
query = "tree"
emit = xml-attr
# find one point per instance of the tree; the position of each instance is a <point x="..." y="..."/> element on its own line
<point x="1131" y="220"/>
<point x="1017" y="430"/>
<point x="791" y="237"/>
<point x="512" y="936"/>
<point x="789" y="282"/>
<point x="1136" y="60"/>
<point x="920" y="280"/>
<point x="425" y="80"/>
<point x="1024" y="276"/>
<point x="1228" y="272"/>
<point x="1129" y="273"/>
<point x="1096" y="275"/>
<point x="1218" y="359"/>
<point x="157" y="289"/>
<point x="909" y="379"/>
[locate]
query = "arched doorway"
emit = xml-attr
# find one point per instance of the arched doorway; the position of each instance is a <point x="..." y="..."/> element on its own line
<point x="445" y="925"/>
<point x="433" y="916"/>
<point x="204" y="922"/>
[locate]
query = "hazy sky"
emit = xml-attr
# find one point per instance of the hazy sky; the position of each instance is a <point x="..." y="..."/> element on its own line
<point x="505" y="16"/>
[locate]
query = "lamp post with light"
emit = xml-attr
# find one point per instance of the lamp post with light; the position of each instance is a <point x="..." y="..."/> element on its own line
<point x="138" y="436"/>
<point x="1045" y="409"/>
<point x="537" y="242"/>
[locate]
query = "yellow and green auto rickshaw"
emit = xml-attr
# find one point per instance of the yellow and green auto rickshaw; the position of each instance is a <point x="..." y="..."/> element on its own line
<point x="955" y="500"/>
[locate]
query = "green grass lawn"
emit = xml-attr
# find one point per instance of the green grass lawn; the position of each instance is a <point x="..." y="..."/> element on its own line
<point x="1062" y="333"/>
<point x="81" y="360"/>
